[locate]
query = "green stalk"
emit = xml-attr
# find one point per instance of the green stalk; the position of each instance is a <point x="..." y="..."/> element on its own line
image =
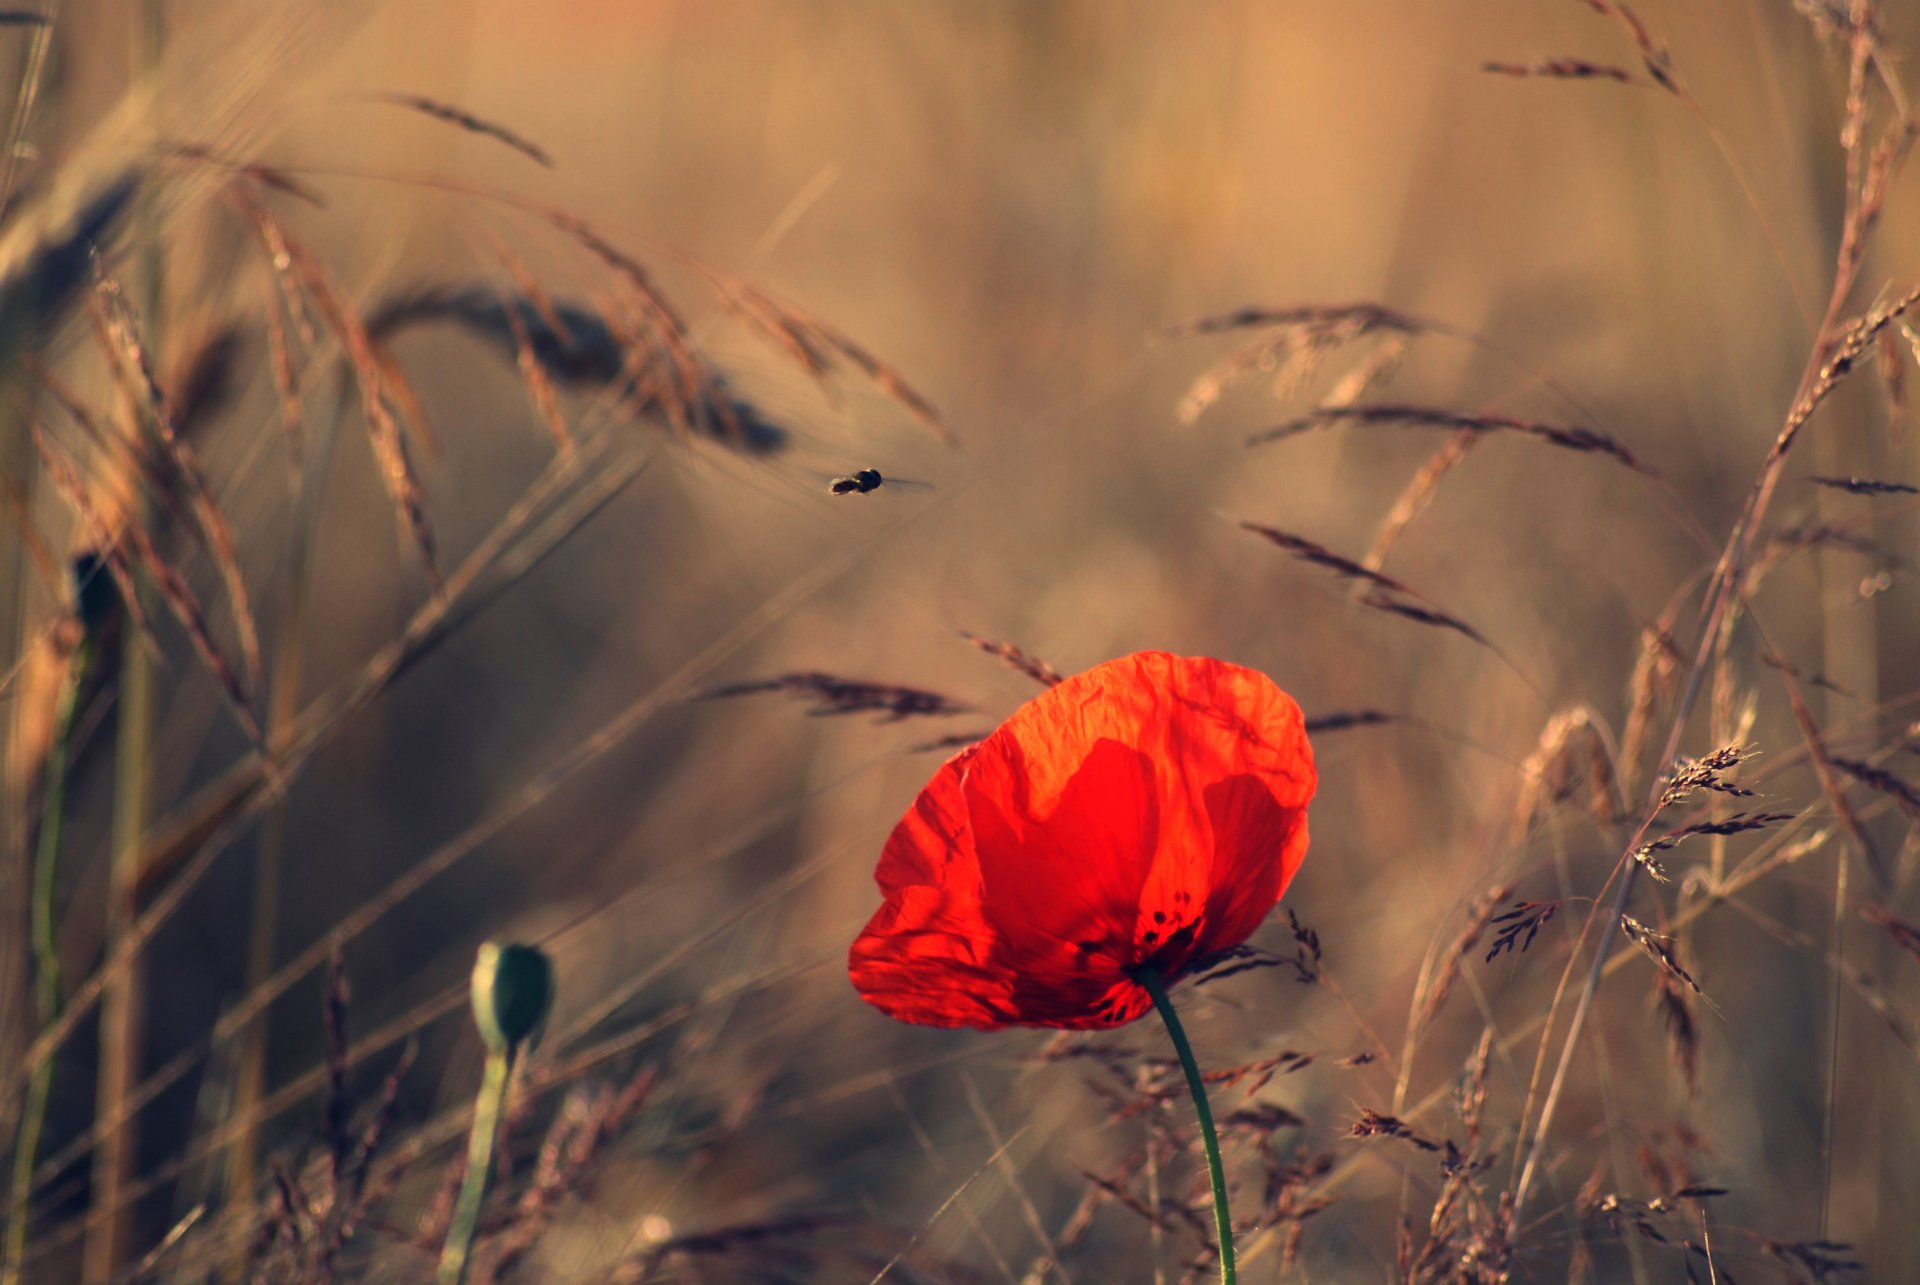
<point x="46" y="954"/>
<point x="1149" y="977"/>
<point x="473" y="1188"/>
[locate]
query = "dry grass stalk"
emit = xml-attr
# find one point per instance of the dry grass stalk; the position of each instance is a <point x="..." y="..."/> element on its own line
<point x="1396" y="415"/>
<point x="380" y="382"/>
<point x="1650" y="693"/>
<point x="831" y="695"/>
<point x="1830" y="786"/>
<point x="267" y="176"/>
<point x="1571" y="754"/>
<point x="532" y="373"/>
<point x="1855" y="339"/>
<point x="466" y="120"/>
<point x="1433" y="996"/>
<point x="122" y="329"/>
<point x="1032" y="666"/>
<point x="1382" y="592"/>
<point x="1301" y="338"/>
<point x="173" y="588"/>
<point x="818" y="348"/>
<point x="1904" y="934"/>
<point x="1419" y="493"/>
<point x="286" y="386"/>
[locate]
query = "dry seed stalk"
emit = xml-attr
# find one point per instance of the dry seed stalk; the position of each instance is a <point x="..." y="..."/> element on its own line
<point x="1398" y="415"/>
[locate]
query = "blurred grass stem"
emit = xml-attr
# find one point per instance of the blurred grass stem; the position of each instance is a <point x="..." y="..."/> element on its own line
<point x="46" y="953"/>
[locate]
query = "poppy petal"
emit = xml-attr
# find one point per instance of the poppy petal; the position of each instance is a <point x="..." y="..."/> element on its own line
<point x="1148" y="811"/>
<point x="1061" y="877"/>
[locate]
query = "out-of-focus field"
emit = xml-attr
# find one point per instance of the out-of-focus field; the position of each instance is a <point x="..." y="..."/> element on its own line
<point x="1011" y="205"/>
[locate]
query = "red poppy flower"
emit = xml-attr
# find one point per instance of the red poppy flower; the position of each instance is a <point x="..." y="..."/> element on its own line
<point x="1149" y="811"/>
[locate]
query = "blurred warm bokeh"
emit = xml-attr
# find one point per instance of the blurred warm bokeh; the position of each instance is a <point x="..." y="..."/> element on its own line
<point x="1011" y="205"/>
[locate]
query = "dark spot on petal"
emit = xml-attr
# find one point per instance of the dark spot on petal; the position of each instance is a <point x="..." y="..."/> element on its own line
<point x="1159" y="916"/>
<point x="1152" y="935"/>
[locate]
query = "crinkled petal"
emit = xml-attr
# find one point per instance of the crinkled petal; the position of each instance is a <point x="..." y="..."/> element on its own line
<point x="918" y="962"/>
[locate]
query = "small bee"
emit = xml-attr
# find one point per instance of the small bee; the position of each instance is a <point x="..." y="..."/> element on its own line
<point x="861" y="481"/>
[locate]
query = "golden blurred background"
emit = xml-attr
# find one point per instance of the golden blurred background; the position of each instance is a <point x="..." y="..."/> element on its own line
<point x="1012" y="205"/>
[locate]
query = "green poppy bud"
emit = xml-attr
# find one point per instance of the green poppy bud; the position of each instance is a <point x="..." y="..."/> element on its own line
<point x="512" y="990"/>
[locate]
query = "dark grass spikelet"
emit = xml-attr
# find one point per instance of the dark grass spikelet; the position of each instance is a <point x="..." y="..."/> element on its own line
<point x="203" y="378"/>
<point x="831" y="695"/>
<point x="1865" y="486"/>
<point x="1884" y="782"/>
<point x="1248" y="959"/>
<point x="1709" y="773"/>
<point x="1659" y="948"/>
<point x="1738" y="823"/>
<point x="1653" y="55"/>
<point x="574" y="346"/>
<point x="1560" y="69"/>
<point x="472" y="124"/>
<point x="1821" y="1260"/>
<point x="1255" y="1076"/>
<point x="1342" y="720"/>
<point x="1437" y="417"/>
<point x="1375" y="1124"/>
<point x="1522" y="923"/>
<point x="1382" y="592"/>
<point x="1016" y="659"/>
<point x="1675" y="1003"/>
<point x="957" y="741"/>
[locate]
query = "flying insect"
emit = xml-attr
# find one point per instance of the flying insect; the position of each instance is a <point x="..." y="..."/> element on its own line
<point x="862" y="481"/>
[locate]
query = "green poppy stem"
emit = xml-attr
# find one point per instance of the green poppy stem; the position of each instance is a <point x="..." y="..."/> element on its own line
<point x="480" y="1147"/>
<point x="1149" y="977"/>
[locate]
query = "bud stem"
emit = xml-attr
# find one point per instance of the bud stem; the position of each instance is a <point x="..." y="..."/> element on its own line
<point x="473" y="1188"/>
